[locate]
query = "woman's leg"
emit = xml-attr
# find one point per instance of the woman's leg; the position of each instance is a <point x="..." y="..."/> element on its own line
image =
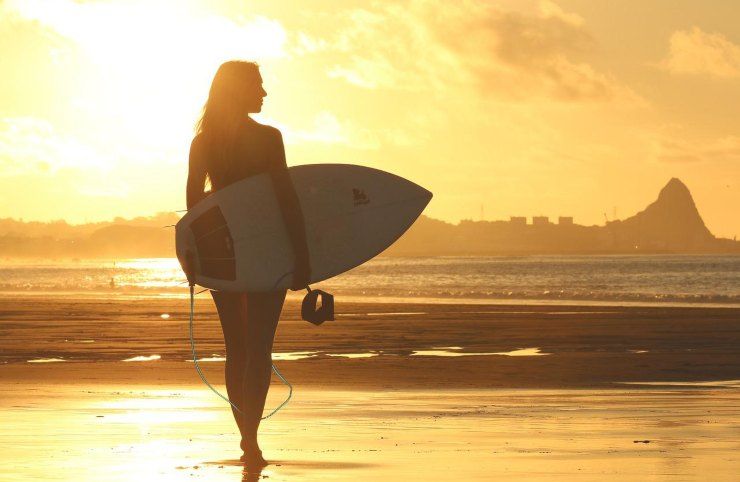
<point x="249" y="321"/>
<point x="230" y="308"/>
<point x="263" y="314"/>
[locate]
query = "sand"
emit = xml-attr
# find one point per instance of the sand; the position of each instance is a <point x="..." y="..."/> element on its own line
<point x="572" y="393"/>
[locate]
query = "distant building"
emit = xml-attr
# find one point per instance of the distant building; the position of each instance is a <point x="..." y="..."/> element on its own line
<point x="566" y="220"/>
<point x="540" y="220"/>
<point x="518" y="220"/>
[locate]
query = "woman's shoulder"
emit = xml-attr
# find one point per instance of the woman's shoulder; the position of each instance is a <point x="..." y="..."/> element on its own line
<point x="198" y="146"/>
<point x="199" y="142"/>
<point x="266" y="130"/>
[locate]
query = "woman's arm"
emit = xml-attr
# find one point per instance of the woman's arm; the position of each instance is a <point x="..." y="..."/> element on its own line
<point x="291" y="210"/>
<point x="196" y="173"/>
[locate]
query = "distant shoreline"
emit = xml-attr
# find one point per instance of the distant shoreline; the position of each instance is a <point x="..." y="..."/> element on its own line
<point x="31" y="295"/>
<point x="512" y="254"/>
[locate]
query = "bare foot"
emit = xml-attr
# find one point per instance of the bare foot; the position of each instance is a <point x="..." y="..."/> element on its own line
<point x="253" y="459"/>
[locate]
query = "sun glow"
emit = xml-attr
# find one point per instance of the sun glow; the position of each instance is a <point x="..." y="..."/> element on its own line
<point x="156" y="57"/>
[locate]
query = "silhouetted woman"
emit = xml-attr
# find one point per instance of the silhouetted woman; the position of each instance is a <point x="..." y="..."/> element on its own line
<point x="229" y="146"/>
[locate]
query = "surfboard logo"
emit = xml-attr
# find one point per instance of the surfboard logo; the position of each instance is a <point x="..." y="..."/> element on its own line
<point x="359" y="196"/>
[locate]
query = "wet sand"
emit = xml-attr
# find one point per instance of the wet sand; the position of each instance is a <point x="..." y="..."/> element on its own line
<point x="422" y="403"/>
<point x="115" y="433"/>
<point x="587" y="347"/>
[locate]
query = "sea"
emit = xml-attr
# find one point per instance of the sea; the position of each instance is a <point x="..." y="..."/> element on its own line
<point x="681" y="280"/>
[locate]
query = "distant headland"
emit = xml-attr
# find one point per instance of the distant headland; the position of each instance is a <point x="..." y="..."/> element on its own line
<point x="670" y="224"/>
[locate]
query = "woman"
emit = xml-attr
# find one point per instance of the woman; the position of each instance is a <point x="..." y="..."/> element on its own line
<point x="229" y="146"/>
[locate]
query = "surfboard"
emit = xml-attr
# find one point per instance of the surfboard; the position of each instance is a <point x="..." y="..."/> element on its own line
<point x="236" y="237"/>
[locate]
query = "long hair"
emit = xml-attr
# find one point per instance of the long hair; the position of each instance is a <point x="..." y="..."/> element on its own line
<point x="224" y="112"/>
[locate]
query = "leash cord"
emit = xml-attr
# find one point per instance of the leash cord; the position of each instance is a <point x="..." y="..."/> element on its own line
<point x="202" y="377"/>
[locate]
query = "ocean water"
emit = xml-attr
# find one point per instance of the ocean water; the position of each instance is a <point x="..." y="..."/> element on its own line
<point x="610" y="279"/>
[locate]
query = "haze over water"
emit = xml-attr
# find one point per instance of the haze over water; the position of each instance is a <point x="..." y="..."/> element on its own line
<point x="613" y="279"/>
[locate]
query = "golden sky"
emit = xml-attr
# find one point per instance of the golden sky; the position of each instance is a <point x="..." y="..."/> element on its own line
<point x="569" y="107"/>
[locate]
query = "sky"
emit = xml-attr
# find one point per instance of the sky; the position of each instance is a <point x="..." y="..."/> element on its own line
<point x="582" y="108"/>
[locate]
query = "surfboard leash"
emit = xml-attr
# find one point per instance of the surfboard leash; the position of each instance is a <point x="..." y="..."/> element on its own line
<point x="203" y="378"/>
<point x="326" y="312"/>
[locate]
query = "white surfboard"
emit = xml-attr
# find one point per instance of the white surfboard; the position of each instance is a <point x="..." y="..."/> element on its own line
<point x="239" y="241"/>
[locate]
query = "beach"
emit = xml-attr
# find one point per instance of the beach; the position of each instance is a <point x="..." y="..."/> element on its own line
<point x="523" y="211"/>
<point x="387" y="391"/>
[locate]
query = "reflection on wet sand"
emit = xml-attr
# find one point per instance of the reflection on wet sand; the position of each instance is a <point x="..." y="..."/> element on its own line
<point x="182" y="433"/>
<point x="443" y="351"/>
<point x="272" y="471"/>
<point x="294" y="355"/>
<point x="143" y="358"/>
<point x="707" y="384"/>
<point x="215" y="358"/>
<point x="455" y="351"/>
<point x="353" y="355"/>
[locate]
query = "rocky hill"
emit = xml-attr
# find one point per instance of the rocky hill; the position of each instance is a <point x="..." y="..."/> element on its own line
<point x="670" y="224"/>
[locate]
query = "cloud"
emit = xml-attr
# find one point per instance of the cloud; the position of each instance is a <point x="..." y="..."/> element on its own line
<point x="436" y="46"/>
<point x="697" y="52"/>
<point x="549" y="9"/>
<point x="32" y="55"/>
<point x="152" y="31"/>
<point x="306" y="44"/>
<point x="31" y="145"/>
<point x="678" y="150"/>
<point x="119" y="190"/>
<point x="326" y="128"/>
